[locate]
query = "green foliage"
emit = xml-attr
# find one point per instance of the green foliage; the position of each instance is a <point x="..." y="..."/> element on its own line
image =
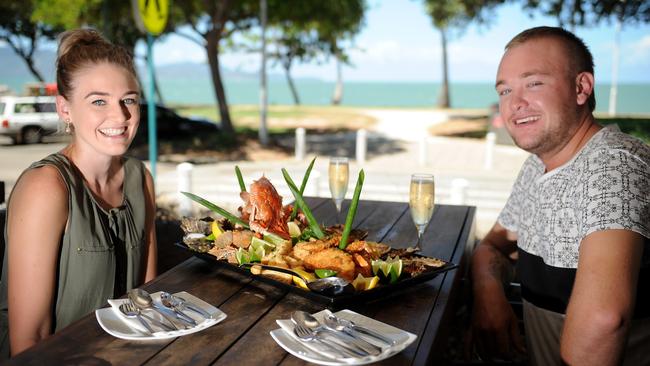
<point x="591" y="12"/>
<point x="638" y="127"/>
<point x="22" y="32"/>
<point x="459" y="13"/>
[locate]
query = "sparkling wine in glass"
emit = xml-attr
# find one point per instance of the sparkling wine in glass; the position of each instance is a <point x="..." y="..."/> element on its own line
<point x="421" y="201"/>
<point x="339" y="174"/>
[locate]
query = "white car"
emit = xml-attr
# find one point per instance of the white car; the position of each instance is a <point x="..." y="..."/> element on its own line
<point x="27" y="119"/>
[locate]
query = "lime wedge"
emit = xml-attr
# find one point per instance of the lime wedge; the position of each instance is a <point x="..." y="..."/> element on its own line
<point x="255" y="255"/>
<point x="324" y="273"/>
<point x="242" y="256"/>
<point x="294" y="230"/>
<point x="274" y="239"/>
<point x="376" y="265"/>
<point x="265" y="246"/>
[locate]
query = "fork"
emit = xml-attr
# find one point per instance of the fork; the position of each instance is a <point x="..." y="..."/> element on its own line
<point x="131" y="306"/>
<point x="310" y="335"/>
<point x="128" y="311"/>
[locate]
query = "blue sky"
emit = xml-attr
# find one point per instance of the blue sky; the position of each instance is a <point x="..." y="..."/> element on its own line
<point x="399" y="43"/>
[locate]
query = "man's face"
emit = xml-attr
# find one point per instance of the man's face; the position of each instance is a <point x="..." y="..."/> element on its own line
<point x="537" y="96"/>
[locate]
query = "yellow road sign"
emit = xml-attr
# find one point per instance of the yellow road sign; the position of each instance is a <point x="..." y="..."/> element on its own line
<point x="154" y="15"/>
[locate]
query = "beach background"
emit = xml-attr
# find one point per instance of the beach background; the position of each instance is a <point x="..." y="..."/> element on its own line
<point x="633" y="99"/>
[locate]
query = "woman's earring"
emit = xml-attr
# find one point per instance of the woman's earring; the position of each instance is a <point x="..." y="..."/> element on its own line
<point x="68" y="130"/>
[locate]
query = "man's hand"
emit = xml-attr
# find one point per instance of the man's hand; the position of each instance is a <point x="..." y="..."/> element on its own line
<point x="494" y="331"/>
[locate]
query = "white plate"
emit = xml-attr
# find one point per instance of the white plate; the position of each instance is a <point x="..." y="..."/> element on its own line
<point x="116" y="324"/>
<point x="308" y="351"/>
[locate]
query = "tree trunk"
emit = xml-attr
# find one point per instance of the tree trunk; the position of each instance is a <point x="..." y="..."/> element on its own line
<point x="212" y="48"/>
<point x="443" y="97"/>
<point x="292" y="87"/>
<point x="338" y="89"/>
<point x="28" y="57"/>
<point x="30" y="64"/>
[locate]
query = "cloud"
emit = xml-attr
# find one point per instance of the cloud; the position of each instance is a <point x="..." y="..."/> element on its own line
<point x="178" y="49"/>
<point x="637" y="52"/>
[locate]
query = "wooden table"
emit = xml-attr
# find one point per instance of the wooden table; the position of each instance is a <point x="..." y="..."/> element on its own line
<point x="253" y="306"/>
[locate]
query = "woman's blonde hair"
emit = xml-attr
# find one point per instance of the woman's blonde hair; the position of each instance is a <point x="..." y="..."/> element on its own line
<point x="80" y="48"/>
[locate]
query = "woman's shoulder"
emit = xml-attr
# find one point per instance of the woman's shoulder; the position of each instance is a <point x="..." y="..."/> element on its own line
<point x="44" y="184"/>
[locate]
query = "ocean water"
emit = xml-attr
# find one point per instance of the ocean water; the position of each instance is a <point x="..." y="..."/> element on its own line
<point x="632" y="98"/>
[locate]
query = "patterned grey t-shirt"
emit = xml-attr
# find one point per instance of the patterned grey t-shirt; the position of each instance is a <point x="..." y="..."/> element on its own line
<point x="605" y="186"/>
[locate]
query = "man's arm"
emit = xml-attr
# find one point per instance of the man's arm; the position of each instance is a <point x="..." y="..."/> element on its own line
<point x="494" y="327"/>
<point x="602" y="301"/>
<point x="150" y="230"/>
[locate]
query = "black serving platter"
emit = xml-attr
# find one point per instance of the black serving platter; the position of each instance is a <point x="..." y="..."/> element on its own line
<point x="333" y="302"/>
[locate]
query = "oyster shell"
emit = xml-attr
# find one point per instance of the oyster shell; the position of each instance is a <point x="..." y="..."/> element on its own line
<point x="192" y="225"/>
<point x="198" y="242"/>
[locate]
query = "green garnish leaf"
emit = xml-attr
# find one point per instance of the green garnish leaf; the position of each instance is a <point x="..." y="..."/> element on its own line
<point x="302" y="187"/>
<point x="313" y="224"/>
<point x="352" y="211"/>
<point x="324" y="273"/>
<point x="240" y="179"/>
<point x="214" y="208"/>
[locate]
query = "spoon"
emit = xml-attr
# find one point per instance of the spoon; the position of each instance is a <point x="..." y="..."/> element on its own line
<point x="344" y="340"/>
<point x="349" y="326"/>
<point x="131" y="312"/>
<point x="143" y="301"/>
<point x="329" y="286"/>
<point x="166" y="300"/>
<point x="183" y="304"/>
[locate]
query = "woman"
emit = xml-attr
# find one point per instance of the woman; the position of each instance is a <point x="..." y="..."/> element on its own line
<point x="80" y="223"/>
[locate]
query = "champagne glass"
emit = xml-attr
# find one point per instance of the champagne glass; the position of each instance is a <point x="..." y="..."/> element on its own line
<point x="339" y="173"/>
<point x="421" y="200"/>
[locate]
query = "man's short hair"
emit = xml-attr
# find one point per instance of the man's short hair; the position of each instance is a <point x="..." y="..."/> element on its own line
<point x="580" y="58"/>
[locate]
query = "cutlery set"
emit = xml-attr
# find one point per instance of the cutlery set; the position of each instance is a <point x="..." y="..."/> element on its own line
<point x="339" y="338"/>
<point x="171" y="308"/>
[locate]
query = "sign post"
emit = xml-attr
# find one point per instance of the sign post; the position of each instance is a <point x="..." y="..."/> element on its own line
<point x="151" y="18"/>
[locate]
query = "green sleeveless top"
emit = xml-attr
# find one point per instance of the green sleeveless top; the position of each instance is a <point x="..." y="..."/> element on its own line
<point x="101" y="250"/>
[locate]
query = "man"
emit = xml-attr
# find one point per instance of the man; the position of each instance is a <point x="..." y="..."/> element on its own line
<point x="578" y="217"/>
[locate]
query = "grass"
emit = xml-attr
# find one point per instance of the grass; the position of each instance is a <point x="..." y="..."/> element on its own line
<point x="283" y="119"/>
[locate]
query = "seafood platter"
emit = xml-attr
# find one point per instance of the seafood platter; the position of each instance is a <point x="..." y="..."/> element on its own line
<point x="284" y="245"/>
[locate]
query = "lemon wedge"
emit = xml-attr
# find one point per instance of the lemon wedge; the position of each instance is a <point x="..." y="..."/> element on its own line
<point x="299" y="282"/>
<point x="216" y="229"/>
<point x="365" y="283"/>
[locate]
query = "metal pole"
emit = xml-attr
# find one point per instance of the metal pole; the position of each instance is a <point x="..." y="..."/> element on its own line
<point x="184" y="173"/>
<point x="300" y="143"/>
<point x="151" y="110"/>
<point x="613" y="90"/>
<point x="361" y="146"/>
<point x="263" y="133"/>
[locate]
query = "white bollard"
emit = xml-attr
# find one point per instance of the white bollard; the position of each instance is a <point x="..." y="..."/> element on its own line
<point x="300" y="143"/>
<point x="490" y="140"/>
<point x="458" y="191"/>
<point x="362" y="146"/>
<point x="184" y="172"/>
<point x="422" y="151"/>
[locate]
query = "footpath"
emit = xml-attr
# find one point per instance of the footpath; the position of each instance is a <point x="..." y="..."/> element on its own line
<point x="467" y="171"/>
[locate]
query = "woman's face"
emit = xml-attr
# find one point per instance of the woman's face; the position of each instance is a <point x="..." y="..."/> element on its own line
<point x="103" y="108"/>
